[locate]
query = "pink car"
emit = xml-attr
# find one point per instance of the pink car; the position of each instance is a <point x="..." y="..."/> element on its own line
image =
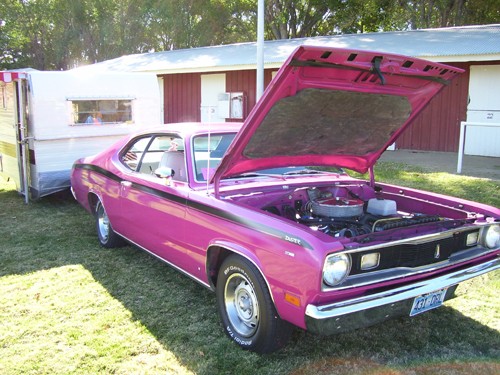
<point x="250" y="211"/>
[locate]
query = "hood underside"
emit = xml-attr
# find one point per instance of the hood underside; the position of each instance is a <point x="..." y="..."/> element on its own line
<point x="358" y="124"/>
<point x="333" y="107"/>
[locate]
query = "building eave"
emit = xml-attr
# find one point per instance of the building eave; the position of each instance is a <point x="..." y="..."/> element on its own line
<point x="463" y="58"/>
<point x="214" y="69"/>
<point x="455" y="44"/>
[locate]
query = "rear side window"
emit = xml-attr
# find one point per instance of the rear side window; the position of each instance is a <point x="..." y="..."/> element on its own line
<point x="143" y="154"/>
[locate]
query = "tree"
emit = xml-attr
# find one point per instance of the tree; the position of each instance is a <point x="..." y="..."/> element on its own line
<point x="177" y="24"/>
<point x="61" y="34"/>
<point x="295" y="18"/>
<point x="445" y="13"/>
<point x="303" y="18"/>
<point x="27" y="32"/>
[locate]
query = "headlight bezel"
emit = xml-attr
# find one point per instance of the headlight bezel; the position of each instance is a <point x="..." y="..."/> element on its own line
<point x="341" y="260"/>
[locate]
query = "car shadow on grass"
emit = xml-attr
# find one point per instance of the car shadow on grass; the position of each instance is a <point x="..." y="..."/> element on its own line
<point x="182" y="316"/>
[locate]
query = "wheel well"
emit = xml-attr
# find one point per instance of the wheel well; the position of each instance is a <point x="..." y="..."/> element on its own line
<point x="215" y="257"/>
<point x="93" y="199"/>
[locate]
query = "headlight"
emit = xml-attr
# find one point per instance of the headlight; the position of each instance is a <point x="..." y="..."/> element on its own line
<point x="336" y="268"/>
<point x="491" y="238"/>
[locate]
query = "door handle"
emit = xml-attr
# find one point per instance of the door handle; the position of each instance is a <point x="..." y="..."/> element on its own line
<point x="126" y="183"/>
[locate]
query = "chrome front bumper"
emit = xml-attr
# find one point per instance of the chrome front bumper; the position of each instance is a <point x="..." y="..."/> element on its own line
<point x="368" y="310"/>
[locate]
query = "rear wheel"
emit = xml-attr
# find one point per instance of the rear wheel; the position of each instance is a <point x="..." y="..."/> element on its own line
<point x="246" y="309"/>
<point x="105" y="233"/>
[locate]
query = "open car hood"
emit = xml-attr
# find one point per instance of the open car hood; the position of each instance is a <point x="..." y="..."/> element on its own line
<point x="333" y="107"/>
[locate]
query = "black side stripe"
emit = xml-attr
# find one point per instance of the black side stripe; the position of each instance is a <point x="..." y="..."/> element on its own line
<point x="95" y="168"/>
<point x="262" y="228"/>
<point x="159" y="193"/>
<point x="202" y="207"/>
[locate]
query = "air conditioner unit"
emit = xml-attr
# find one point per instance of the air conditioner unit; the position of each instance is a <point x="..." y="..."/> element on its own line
<point x="223" y="105"/>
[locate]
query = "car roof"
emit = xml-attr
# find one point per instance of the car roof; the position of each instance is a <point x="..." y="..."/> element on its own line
<point x="188" y="129"/>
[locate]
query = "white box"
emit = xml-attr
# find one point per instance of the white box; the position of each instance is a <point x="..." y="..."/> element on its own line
<point x="382" y="207"/>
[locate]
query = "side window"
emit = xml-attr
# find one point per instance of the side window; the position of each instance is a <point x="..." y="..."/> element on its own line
<point x="132" y="155"/>
<point x="144" y="154"/>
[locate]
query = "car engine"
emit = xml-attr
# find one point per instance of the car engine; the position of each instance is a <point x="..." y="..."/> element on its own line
<point x="345" y="211"/>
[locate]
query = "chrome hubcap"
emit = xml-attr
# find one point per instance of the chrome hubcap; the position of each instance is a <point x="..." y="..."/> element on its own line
<point x="241" y="305"/>
<point x="103" y="221"/>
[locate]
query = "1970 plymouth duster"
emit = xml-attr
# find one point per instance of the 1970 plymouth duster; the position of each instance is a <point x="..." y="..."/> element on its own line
<point x="263" y="213"/>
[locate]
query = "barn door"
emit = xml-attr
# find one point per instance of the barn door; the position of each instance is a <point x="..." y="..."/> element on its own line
<point x="483" y="108"/>
<point x="212" y="86"/>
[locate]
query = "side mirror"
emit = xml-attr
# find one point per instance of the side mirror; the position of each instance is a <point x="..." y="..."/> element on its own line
<point x="164" y="172"/>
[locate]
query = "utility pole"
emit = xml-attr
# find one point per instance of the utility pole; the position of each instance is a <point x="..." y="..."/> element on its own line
<point x="260" y="50"/>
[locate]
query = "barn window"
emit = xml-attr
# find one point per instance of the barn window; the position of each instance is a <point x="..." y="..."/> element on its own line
<point x="99" y="112"/>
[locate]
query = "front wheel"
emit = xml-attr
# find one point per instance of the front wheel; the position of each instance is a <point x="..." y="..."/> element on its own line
<point x="245" y="307"/>
<point x="106" y="235"/>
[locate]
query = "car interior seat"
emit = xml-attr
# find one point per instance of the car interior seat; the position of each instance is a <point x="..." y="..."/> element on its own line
<point x="175" y="160"/>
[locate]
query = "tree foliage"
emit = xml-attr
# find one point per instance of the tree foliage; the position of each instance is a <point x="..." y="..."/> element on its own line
<point x="61" y="34"/>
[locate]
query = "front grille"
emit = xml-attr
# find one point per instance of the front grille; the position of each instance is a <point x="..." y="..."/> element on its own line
<point x="413" y="255"/>
<point x="422" y="254"/>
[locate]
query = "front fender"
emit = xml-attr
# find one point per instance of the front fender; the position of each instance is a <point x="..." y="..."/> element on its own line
<point x="287" y="277"/>
<point x="218" y="250"/>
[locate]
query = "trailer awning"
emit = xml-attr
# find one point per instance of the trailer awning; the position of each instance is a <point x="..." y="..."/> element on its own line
<point x="11" y="76"/>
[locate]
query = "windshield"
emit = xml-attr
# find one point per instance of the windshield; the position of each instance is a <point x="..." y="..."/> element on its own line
<point x="285" y="172"/>
<point x="208" y="151"/>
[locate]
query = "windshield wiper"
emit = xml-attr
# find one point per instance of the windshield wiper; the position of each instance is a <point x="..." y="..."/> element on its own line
<point x="252" y="174"/>
<point x="338" y="172"/>
<point x="283" y="176"/>
<point x="304" y="171"/>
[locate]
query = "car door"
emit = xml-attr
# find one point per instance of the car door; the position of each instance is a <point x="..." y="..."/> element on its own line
<point x="153" y="209"/>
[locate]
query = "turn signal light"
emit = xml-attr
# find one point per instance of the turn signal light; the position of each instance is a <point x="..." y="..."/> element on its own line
<point x="369" y="261"/>
<point x="294" y="300"/>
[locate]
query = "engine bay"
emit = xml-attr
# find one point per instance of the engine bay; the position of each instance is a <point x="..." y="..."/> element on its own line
<point x="343" y="210"/>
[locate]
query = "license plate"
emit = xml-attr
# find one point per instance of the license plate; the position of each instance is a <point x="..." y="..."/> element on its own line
<point x="428" y="302"/>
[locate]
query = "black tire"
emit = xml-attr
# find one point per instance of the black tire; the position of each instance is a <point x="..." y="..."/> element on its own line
<point x="246" y="309"/>
<point x="105" y="233"/>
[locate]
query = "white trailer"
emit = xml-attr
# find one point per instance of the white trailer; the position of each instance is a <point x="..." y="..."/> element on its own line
<point x="50" y="119"/>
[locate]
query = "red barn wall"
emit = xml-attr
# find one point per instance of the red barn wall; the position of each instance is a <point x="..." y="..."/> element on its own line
<point x="246" y="81"/>
<point x="182" y="97"/>
<point x="437" y="128"/>
<point x="182" y="93"/>
<point x="243" y="81"/>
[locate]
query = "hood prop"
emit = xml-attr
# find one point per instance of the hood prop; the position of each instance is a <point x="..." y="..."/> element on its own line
<point x="376" y="68"/>
<point x="372" y="176"/>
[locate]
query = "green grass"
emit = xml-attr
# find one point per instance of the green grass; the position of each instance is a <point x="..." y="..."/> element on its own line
<point x="68" y="306"/>
<point x="471" y="188"/>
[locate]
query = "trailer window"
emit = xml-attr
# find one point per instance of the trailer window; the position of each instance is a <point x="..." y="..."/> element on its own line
<point x="98" y="112"/>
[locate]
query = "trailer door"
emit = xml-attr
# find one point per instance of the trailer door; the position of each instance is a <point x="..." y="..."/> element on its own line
<point x="13" y="156"/>
<point x="22" y="136"/>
